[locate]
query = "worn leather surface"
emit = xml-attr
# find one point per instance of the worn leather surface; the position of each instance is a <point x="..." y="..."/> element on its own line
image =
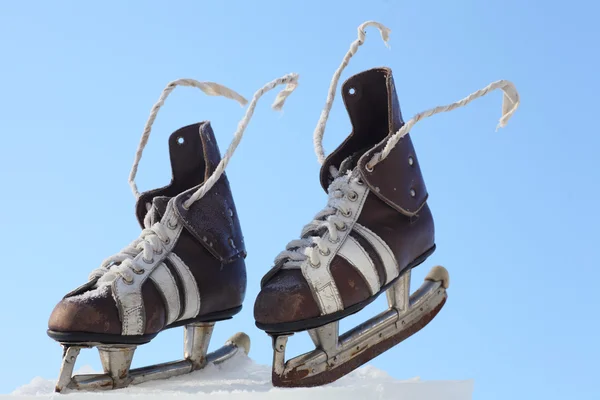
<point x="407" y="237"/>
<point x="99" y="314"/>
<point x="219" y="270"/>
<point x="213" y="219"/>
<point x="222" y="286"/>
<point x="402" y="220"/>
<point x="395" y="180"/>
<point x="285" y="297"/>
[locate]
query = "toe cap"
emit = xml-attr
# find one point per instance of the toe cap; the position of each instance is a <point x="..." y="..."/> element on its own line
<point x="93" y="312"/>
<point x="285" y="298"/>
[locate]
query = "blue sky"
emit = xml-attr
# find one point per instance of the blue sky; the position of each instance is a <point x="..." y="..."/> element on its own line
<point x="516" y="210"/>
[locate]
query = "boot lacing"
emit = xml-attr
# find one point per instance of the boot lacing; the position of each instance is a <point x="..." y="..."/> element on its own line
<point x="311" y="243"/>
<point x="155" y="235"/>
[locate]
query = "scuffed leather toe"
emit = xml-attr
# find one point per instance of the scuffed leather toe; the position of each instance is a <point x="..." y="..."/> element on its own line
<point x="285" y="298"/>
<point x="91" y="312"/>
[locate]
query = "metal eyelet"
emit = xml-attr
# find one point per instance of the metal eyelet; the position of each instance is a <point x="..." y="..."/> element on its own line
<point x="325" y="253"/>
<point x="171" y="226"/>
<point x="352" y="196"/>
<point x="342" y="228"/>
<point x="348" y="214"/>
<point x="413" y="193"/>
<point x="140" y="271"/>
<point x="148" y="261"/>
<point x="368" y="168"/>
<point x="314" y="265"/>
<point x="159" y="252"/>
<point x="166" y="241"/>
<point x="411" y="161"/>
<point x="359" y="182"/>
<point x="128" y="282"/>
<point x="333" y="241"/>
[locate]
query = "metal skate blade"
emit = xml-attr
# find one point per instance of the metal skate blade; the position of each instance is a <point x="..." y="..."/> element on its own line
<point x="196" y="344"/>
<point x="364" y="342"/>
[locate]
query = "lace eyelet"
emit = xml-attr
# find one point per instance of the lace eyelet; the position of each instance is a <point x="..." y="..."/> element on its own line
<point x="314" y="265"/>
<point x="171" y="226"/>
<point x="148" y="261"/>
<point x="140" y="271"/>
<point x="333" y="241"/>
<point x="342" y="228"/>
<point x="166" y="241"/>
<point x="359" y="182"/>
<point x="159" y="252"/>
<point x="352" y="196"/>
<point x="348" y="214"/>
<point x="127" y="281"/>
<point x="325" y="253"/>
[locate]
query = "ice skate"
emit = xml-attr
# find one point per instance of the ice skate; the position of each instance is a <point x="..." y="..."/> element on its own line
<point x="186" y="268"/>
<point x="375" y="228"/>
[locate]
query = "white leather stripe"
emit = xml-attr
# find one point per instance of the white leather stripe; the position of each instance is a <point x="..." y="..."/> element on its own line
<point x="128" y="296"/>
<point x="165" y="282"/>
<point x="190" y="288"/>
<point x="353" y="252"/>
<point x="319" y="278"/>
<point x="387" y="257"/>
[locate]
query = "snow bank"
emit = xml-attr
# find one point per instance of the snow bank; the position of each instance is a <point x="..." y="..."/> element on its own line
<point x="241" y="378"/>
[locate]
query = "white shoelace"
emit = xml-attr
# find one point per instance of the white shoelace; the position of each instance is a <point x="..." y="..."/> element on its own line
<point x="155" y="233"/>
<point x="509" y="105"/>
<point x="311" y="243"/>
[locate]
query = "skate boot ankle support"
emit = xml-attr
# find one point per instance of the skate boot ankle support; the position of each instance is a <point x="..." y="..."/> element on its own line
<point x="375" y="228"/>
<point x="186" y="268"/>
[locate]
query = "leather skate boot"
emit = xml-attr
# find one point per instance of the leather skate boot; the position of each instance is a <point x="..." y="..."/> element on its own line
<point x="191" y="268"/>
<point x="375" y="228"/>
<point x="186" y="268"/>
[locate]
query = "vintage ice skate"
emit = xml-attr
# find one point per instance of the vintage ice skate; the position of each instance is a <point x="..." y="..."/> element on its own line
<point x="376" y="227"/>
<point x="186" y="268"/>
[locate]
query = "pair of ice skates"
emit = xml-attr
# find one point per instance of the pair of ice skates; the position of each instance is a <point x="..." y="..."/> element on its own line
<point x="187" y="267"/>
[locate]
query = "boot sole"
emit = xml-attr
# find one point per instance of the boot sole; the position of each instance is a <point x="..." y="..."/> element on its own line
<point x="312" y="323"/>
<point x="102" y="338"/>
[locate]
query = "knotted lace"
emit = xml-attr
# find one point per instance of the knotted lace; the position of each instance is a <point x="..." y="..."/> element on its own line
<point x="509" y="105"/>
<point x="155" y="233"/>
<point x="329" y="220"/>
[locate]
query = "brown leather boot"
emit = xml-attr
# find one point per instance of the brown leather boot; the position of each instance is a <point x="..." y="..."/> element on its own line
<point x="190" y="268"/>
<point x="375" y="228"/>
<point x="186" y="268"/>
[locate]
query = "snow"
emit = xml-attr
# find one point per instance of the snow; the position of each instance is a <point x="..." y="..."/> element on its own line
<point x="242" y="378"/>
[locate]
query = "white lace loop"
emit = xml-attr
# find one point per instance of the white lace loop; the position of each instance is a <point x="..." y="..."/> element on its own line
<point x="209" y="88"/>
<point x="155" y="235"/>
<point x="291" y="82"/>
<point x="509" y="105"/>
<point x="311" y="244"/>
<point x="150" y="243"/>
<point x="320" y="129"/>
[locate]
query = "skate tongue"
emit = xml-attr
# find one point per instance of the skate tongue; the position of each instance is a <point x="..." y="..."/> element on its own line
<point x="158" y="209"/>
<point x="372" y="105"/>
<point x="192" y="151"/>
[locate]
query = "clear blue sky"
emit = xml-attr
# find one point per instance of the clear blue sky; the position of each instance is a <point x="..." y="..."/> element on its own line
<point x="516" y="210"/>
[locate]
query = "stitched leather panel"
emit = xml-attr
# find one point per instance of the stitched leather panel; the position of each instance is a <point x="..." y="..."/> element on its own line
<point x="213" y="219"/>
